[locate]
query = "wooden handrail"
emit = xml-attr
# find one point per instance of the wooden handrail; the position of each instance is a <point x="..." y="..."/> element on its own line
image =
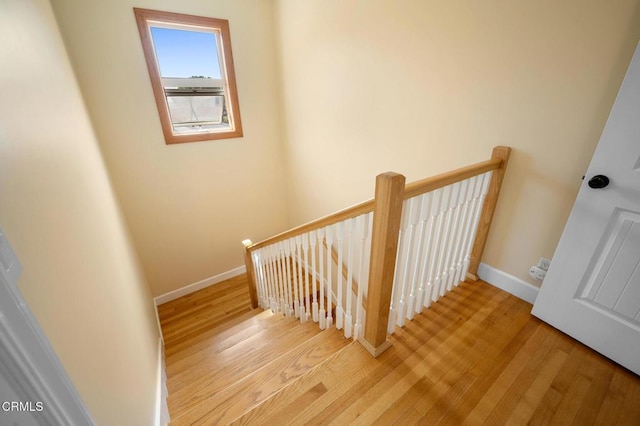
<point x="411" y="190"/>
<point x="416" y="188"/>
<point x="348" y="213"/>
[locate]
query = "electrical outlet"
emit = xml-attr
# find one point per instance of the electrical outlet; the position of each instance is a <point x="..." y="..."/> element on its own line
<point x="537" y="273"/>
<point x="544" y="264"/>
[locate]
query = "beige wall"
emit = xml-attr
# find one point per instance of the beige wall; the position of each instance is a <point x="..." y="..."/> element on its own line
<point x="358" y="88"/>
<point x="190" y="205"/>
<point x="81" y="277"/>
<point x="420" y="87"/>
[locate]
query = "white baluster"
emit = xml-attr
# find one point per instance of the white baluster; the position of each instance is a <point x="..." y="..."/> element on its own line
<point x="265" y="274"/>
<point x="413" y="256"/>
<point x="286" y="279"/>
<point x="465" y="231"/>
<point x="301" y="307"/>
<point x="456" y="265"/>
<point x="307" y="299"/>
<point x="314" y="305"/>
<point x="339" y="308"/>
<point x="348" y="318"/>
<point x="423" y="256"/>
<point x="322" y="320"/>
<point x="264" y="260"/>
<point x="362" y="223"/>
<point x="294" y="274"/>
<point x="260" y="279"/>
<point x="454" y="212"/>
<point x="276" y="276"/>
<point x="289" y="278"/>
<point x="486" y="178"/>
<point x="437" y="217"/>
<point x="265" y="279"/>
<point x="473" y="210"/>
<point x="329" y="239"/>
<point x="395" y="314"/>
<point x="268" y="272"/>
<point x="408" y="228"/>
<point x="273" y="299"/>
<point x="440" y="285"/>
<point x="280" y="271"/>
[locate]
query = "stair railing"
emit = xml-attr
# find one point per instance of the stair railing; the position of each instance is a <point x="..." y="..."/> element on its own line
<point x="396" y="254"/>
<point x="294" y="272"/>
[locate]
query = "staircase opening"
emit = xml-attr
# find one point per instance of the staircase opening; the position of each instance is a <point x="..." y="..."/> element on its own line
<point x="384" y="260"/>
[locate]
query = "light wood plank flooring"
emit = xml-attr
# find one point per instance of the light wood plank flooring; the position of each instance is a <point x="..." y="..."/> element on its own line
<point x="475" y="357"/>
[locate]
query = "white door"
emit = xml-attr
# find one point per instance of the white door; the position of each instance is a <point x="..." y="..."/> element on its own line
<point x="592" y="289"/>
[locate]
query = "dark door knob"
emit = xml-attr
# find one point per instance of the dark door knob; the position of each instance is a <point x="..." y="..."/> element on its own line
<point x="598" y="181"/>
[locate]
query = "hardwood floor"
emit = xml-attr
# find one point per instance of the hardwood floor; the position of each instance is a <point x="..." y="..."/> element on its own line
<point x="475" y="357"/>
<point x="194" y="316"/>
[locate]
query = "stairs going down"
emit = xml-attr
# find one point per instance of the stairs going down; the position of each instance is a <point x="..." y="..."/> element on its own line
<point x="224" y="360"/>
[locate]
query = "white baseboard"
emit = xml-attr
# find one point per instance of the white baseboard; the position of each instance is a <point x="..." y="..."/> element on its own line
<point x="162" y="407"/>
<point x="167" y="297"/>
<point x="509" y="283"/>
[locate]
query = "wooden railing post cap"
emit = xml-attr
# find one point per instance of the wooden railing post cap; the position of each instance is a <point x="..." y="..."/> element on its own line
<point x="501" y="151"/>
<point x="389" y="176"/>
<point x="247" y="243"/>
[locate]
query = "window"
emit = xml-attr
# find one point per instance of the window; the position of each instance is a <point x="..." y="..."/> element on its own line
<point x="191" y="69"/>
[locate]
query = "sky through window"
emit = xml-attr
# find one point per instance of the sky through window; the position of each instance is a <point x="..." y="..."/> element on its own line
<point x="183" y="54"/>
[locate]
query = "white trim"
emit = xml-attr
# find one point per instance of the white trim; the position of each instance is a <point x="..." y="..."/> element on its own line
<point x="28" y="362"/>
<point x="519" y="288"/>
<point x="172" y="295"/>
<point x="10" y="267"/>
<point x="162" y="417"/>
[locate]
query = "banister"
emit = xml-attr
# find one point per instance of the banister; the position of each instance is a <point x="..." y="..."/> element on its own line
<point x="416" y="188"/>
<point x="387" y="208"/>
<point x="411" y="190"/>
<point x="348" y="213"/>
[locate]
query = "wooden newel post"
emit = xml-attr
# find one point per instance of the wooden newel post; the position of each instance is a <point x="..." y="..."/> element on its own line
<point x="384" y="249"/>
<point x="251" y="278"/>
<point x="489" y="207"/>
